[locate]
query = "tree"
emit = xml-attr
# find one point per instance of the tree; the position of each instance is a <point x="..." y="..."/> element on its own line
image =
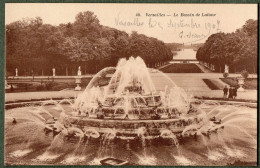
<point x="238" y="49"/>
<point x="87" y="25"/>
<point x="36" y="47"/>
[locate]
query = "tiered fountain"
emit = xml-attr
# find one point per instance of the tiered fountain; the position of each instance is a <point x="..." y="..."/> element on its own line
<point x="130" y="106"/>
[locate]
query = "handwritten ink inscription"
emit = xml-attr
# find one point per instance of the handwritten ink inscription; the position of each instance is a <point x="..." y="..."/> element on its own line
<point x="185" y="26"/>
<point x="132" y="22"/>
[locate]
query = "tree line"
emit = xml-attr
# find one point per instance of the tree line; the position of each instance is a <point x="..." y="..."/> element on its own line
<point x="238" y="50"/>
<point x="35" y="48"/>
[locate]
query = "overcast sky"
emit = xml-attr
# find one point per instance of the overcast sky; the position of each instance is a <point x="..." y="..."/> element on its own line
<point x="186" y="29"/>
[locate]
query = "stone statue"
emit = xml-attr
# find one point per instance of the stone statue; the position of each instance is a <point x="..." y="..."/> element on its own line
<point x="79" y="71"/>
<point x="53" y="71"/>
<point x="16" y="72"/>
<point x="226" y="68"/>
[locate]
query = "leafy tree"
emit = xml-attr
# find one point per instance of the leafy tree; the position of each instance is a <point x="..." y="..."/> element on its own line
<point x="35" y="48"/>
<point x="238" y="49"/>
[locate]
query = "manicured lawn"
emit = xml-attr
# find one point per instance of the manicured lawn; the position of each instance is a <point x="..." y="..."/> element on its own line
<point x="250" y="83"/>
<point x="181" y="68"/>
<point x="211" y="84"/>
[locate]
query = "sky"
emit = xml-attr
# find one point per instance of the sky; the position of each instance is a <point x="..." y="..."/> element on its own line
<point x="162" y="21"/>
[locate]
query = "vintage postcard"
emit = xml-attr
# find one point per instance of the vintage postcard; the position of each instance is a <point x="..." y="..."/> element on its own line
<point x="131" y="84"/>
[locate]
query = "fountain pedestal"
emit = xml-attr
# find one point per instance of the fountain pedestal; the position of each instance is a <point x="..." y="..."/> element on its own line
<point x="241" y="82"/>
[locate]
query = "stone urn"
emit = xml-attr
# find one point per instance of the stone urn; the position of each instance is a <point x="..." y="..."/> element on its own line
<point x="78" y="82"/>
<point x="241" y="82"/>
<point x="6" y="85"/>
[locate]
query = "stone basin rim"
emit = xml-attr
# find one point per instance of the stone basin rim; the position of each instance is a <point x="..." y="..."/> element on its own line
<point x="19" y="104"/>
<point x="135" y="120"/>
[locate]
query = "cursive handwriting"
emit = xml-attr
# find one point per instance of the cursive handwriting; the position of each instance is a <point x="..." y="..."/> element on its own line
<point x="154" y="23"/>
<point x="134" y="22"/>
<point x="182" y="24"/>
<point x="185" y="28"/>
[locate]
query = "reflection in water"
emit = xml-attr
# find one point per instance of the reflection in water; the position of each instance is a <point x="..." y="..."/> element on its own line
<point x="185" y="54"/>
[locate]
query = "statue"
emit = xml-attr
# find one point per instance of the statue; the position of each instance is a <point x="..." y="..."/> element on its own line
<point x="79" y="71"/>
<point x="226" y="69"/>
<point x="53" y="71"/>
<point x="16" y="72"/>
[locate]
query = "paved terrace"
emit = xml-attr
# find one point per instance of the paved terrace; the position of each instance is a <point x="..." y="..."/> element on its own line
<point x="190" y="82"/>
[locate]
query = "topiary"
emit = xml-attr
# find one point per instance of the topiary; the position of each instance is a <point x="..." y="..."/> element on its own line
<point x="225" y="74"/>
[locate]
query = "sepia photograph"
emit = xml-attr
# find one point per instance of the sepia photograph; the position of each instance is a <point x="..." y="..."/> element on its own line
<point x="152" y="84"/>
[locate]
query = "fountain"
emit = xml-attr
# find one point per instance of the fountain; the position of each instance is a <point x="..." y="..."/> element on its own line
<point x="129" y="102"/>
<point x="122" y="114"/>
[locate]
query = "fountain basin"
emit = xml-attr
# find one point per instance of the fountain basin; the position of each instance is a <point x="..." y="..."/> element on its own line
<point x="129" y="129"/>
<point x="124" y="145"/>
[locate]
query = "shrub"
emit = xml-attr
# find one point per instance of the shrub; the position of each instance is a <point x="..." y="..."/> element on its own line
<point x="225" y="74"/>
<point x="40" y="87"/>
<point x="245" y="74"/>
<point x="49" y="85"/>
